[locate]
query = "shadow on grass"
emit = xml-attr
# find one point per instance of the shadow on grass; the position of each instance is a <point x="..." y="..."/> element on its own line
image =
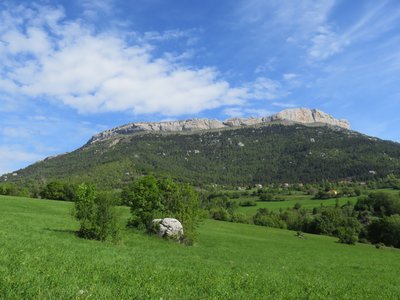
<point x="69" y="231"/>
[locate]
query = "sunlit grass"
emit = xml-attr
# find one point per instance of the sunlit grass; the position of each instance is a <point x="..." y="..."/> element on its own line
<point x="40" y="257"/>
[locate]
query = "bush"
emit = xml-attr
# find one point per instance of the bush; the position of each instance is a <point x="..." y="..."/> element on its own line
<point x="270" y="197"/>
<point x="240" y="218"/>
<point x="220" y="214"/>
<point x="247" y="203"/>
<point x="385" y="230"/>
<point x="96" y="214"/>
<point x="379" y="203"/>
<point x="151" y="199"/>
<point x="57" y="190"/>
<point x="145" y="201"/>
<point x="297" y="205"/>
<point x="347" y="236"/>
<point x="10" y="189"/>
<point x="265" y="218"/>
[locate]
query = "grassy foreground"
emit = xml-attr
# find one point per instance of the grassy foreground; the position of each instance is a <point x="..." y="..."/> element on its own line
<point x="41" y="258"/>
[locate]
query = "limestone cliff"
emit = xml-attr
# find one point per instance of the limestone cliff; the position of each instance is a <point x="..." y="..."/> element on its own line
<point x="296" y="115"/>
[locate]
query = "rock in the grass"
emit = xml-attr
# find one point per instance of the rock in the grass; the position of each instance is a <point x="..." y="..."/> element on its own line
<point x="168" y="227"/>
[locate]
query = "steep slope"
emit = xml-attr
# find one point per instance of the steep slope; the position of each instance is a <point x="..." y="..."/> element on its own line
<point x="277" y="151"/>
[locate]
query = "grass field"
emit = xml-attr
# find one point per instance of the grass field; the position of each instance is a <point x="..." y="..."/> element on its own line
<point x="41" y="258"/>
<point x="305" y="200"/>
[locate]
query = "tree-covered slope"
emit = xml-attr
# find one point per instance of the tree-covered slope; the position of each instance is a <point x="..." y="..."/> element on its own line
<point x="246" y="155"/>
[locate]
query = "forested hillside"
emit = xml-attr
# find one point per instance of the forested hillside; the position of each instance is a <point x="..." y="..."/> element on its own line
<point x="242" y="156"/>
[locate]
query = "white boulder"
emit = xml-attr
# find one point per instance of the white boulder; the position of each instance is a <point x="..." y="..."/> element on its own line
<point x="168" y="227"/>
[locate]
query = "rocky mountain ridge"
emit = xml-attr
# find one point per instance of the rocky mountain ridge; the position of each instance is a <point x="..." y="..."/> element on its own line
<point x="296" y="115"/>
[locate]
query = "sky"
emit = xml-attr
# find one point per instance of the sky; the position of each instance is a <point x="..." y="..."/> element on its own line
<point x="70" y="69"/>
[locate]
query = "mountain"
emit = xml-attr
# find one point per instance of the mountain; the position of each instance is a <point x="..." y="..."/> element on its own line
<point x="295" y="145"/>
<point x="297" y="115"/>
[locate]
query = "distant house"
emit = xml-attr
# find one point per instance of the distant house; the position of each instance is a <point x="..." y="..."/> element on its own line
<point x="333" y="192"/>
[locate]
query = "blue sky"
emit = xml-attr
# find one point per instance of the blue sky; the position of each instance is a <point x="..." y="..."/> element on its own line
<point x="70" y="69"/>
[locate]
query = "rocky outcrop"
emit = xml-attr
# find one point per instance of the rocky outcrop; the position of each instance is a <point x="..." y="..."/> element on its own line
<point x="168" y="227"/>
<point x="296" y="115"/>
<point x="308" y="116"/>
<point x="171" y="126"/>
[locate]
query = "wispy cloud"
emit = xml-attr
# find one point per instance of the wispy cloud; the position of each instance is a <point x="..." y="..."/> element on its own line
<point x="95" y="9"/>
<point x="295" y="21"/>
<point x="374" y="22"/>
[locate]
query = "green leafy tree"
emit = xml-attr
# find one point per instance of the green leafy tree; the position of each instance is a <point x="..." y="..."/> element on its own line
<point x="96" y="214"/>
<point x="150" y="198"/>
<point x="57" y="190"/>
<point x="9" y="189"/>
<point x="144" y="198"/>
<point x="385" y="230"/>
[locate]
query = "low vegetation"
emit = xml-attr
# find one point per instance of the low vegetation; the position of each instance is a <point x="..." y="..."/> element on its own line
<point x="96" y="214"/>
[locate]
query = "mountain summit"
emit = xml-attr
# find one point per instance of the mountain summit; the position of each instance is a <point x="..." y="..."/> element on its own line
<point x="295" y="115"/>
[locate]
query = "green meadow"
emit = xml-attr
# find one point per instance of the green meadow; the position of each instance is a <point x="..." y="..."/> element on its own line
<point x="42" y="258"/>
<point x="306" y="201"/>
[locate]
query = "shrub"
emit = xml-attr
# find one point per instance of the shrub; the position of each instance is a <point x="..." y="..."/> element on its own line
<point x="297" y="205"/>
<point x="265" y="218"/>
<point x="239" y="218"/>
<point x="11" y="189"/>
<point x="96" y="214"/>
<point x="270" y="197"/>
<point x="220" y="214"/>
<point x="150" y="199"/>
<point x="247" y="203"/>
<point x="379" y="203"/>
<point x="347" y="236"/>
<point x="57" y="190"/>
<point x="145" y="201"/>
<point x="385" y="230"/>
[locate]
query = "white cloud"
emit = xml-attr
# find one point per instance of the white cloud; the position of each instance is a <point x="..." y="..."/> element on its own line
<point x="67" y="62"/>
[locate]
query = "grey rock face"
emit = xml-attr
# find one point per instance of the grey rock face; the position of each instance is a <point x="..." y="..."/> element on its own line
<point x="297" y="115"/>
<point x="168" y="227"/>
<point x="308" y="116"/>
